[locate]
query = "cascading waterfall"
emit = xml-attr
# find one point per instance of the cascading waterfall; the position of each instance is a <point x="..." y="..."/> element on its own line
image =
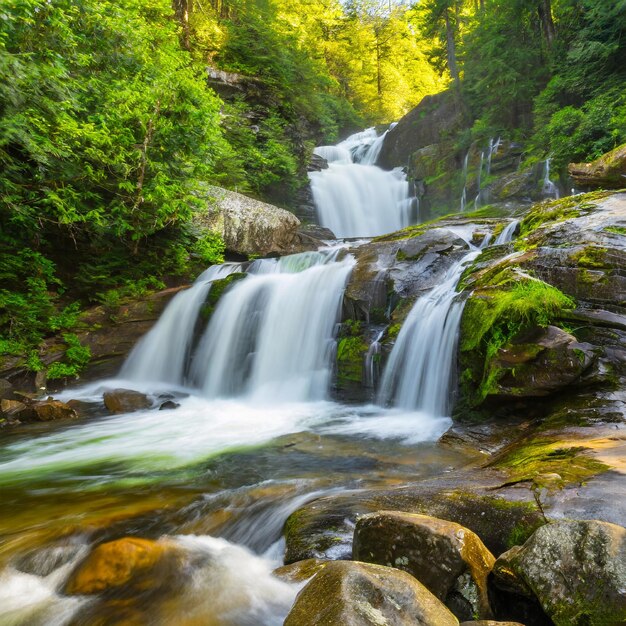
<point x="464" y="192"/>
<point x="549" y="189"/>
<point x="354" y="197"/>
<point x="272" y="335"/>
<point x="507" y="233"/>
<point x="480" y="175"/>
<point x="419" y="372"/>
<point x="163" y="354"/>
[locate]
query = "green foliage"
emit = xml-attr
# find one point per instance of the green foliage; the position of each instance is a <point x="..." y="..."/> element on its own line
<point x="74" y="360"/>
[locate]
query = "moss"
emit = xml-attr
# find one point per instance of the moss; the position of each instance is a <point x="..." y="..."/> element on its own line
<point x="493" y="317"/>
<point x="618" y="230"/>
<point x="540" y="457"/>
<point x="591" y="257"/>
<point x="350" y="354"/>
<point x="393" y="330"/>
<point x="218" y="288"/>
<point x="401" y="255"/>
<point x="546" y="213"/>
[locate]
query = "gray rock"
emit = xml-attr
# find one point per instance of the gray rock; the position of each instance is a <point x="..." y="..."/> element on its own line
<point x="577" y="571"/>
<point x="346" y="593"/>
<point x="448" y="559"/>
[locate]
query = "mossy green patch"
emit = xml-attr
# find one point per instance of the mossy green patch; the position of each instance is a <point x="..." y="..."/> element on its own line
<point x="350" y="354"/>
<point x="618" y="230"/>
<point x="540" y="457"/>
<point x="592" y="257"/>
<point x="218" y="288"/>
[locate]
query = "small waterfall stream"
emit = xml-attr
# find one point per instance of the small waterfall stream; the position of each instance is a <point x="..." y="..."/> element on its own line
<point x="354" y="197"/>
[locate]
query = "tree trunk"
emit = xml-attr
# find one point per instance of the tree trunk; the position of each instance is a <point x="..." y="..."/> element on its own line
<point x="451" y="49"/>
<point x="544" y="8"/>
<point x="181" y="10"/>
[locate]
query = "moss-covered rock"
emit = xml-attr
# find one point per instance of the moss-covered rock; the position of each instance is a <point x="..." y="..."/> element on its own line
<point x="576" y="569"/>
<point x="449" y="560"/>
<point x="607" y="171"/>
<point x="349" y="593"/>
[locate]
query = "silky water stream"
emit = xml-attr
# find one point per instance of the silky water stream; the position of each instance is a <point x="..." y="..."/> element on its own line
<point x="254" y="437"/>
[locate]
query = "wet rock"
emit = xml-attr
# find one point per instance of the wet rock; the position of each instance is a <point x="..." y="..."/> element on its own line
<point x="324" y="527"/>
<point x="300" y="571"/>
<point x="448" y="559"/>
<point x="607" y="172"/>
<point x="168" y="404"/>
<point x="125" y="401"/>
<point x="16" y="411"/>
<point x="6" y="389"/>
<point x="128" y="561"/>
<point x="248" y="226"/>
<point x="358" y="594"/>
<point x="576" y="569"/>
<point x="49" y="410"/>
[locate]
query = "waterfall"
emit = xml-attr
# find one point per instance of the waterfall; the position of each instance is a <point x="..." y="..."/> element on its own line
<point x="480" y="173"/>
<point x="549" y="189"/>
<point x="507" y="233"/>
<point x="271" y="337"/>
<point x="371" y="362"/>
<point x="162" y="355"/>
<point x="494" y="146"/>
<point x="354" y="197"/>
<point x="464" y="192"/>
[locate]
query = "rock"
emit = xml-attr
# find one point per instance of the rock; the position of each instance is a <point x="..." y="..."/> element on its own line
<point x="6" y="389"/>
<point x="540" y="362"/>
<point x="324" y="527"/>
<point x="607" y="172"/>
<point x="16" y="410"/>
<point x="125" y="401"/>
<point x="49" y="410"/>
<point x="448" y="559"/>
<point x="435" y="116"/>
<point x="248" y="226"/>
<point x="300" y="571"/>
<point x="168" y="404"/>
<point x="346" y="593"/>
<point x="118" y="563"/>
<point x="489" y="622"/>
<point x="576" y="569"/>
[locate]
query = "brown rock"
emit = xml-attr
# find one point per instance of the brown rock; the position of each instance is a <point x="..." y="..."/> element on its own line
<point x="300" y="571"/>
<point x="450" y="560"/>
<point x="49" y="410"/>
<point x="6" y="389"/>
<point x="118" y="563"/>
<point x="347" y="593"/>
<point x="16" y="410"/>
<point x="607" y="172"/>
<point x="125" y="401"/>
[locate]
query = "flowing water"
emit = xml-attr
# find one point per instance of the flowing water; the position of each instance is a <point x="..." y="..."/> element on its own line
<point x="355" y="198"/>
<point x="254" y="437"/>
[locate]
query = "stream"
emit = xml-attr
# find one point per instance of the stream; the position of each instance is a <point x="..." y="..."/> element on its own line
<point x="254" y="437"/>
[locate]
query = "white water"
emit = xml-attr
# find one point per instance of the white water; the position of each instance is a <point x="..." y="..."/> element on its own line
<point x="354" y="197"/>
<point x="162" y="355"/>
<point x="477" y="200"/>
<point x="549" y="189"/>
<point x="464" y="192"/>
<point x="272" y="335"/>
<point x="507" y="233"/>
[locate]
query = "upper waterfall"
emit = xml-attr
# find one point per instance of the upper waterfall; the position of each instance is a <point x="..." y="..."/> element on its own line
<point x="354" y="197"/>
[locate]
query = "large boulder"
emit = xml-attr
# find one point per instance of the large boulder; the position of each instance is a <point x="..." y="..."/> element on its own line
<point x="346" y="593"/>
<point x="125" y="401"/>
<point x="433" y="118"/>
<point x="448" y="559"/>
<point x="248" y="226"/>
<point x="49" y="410"/>
<point x="607" y="172"/>
<point x="576" y="569"/>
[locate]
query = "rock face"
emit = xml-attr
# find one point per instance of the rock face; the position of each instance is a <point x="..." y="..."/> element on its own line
<point x="125" y="401"/>
<point x="577" y="571"/>
<point x="15" y="411"/>
<point x="607" y="172"/>
<point x="448" y="559"/>
<point x="118" y="563"/>
<point x="248" y="226"/>
<point x="434" y="117"/>
<point x="358" y="594"/>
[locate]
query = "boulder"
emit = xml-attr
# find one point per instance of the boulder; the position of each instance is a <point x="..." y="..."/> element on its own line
<point x="6" y="389"/>
<point x="448" y="559"/>
<point x="300" y="571"/>
<point x="49" y="410"/>
<point x="434" y="117"/>
<point x="14" y="410"/>
<point x="125" y="401"/>
<point x="576" y="569"/>
<point x="248" y="226"/>
<point x="607" y="172"/>
<point x="127" y="561"/>
<point x="348" y="593"/>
